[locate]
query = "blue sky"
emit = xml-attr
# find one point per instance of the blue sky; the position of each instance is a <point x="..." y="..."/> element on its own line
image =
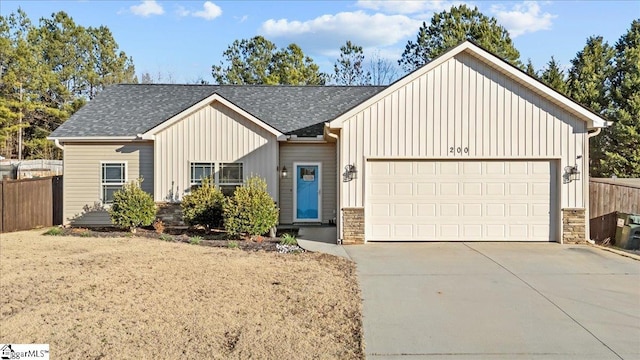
<point x="182" y="39"/>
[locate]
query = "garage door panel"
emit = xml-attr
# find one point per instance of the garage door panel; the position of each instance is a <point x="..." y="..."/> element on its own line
<point x="459" y="201"/>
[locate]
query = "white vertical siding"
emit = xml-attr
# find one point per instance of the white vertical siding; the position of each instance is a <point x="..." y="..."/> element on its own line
<point x="82" y="168"/>
<point x="214" y="133"/>
<point x="463" y="103"/>
<point x="323" y="153"/>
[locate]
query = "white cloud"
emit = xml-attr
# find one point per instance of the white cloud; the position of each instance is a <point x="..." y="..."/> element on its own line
<point x="210" y="11"/>
<point x="181" y="11"/>
<point x="325" y="34"/>
<point x="523" y="18"/>
<point x="407" y="6"/>
<point x="242" y="18"/>
<point x="147" y="8"/>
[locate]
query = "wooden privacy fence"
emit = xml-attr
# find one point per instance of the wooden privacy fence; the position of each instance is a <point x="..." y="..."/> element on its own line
<point x="607" y="197"/>
<point x="30" y="203"/>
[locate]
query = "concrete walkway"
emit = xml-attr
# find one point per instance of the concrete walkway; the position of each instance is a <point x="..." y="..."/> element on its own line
<point x="498" y="301"/>
<point x="320" y="239"/>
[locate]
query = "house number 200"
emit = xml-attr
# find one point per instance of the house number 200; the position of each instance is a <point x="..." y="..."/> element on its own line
<point x="458" y="150"/>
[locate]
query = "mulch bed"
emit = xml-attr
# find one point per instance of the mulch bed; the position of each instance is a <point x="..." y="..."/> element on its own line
<point x="214" y="238"/>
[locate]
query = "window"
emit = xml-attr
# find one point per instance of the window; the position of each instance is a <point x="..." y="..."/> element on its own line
<point x="230" y="177"/>
<point x="227" y="176"/>
<point x="200" y="171"/>
<point x="112" y="179"/>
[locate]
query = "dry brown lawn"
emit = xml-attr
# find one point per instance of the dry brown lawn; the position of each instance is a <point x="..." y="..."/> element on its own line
<point x="144" y="298"/>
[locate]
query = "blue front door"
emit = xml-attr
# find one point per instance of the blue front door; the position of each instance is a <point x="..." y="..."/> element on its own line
<point x="307" y="193"/>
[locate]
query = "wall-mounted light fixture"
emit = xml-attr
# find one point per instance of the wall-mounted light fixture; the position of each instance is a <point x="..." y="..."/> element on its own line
<point x="284" y="172"/>
<point x="572" y="173"/>
<point x="350" y="173"/>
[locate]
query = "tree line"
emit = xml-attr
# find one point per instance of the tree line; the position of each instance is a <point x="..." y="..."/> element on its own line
<point x="49" y="70"/>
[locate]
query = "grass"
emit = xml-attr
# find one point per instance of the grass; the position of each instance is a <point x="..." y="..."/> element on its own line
<point x="56" y="231"/>
<point x="195" y="240"/>
<point x="288" y="239"/>
<point x="105" y="297"/>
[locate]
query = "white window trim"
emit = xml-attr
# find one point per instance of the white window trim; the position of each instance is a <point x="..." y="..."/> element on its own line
<point x="216" y="172"/>
<point x="191" y="163"/>
<point x="102" y="183"/>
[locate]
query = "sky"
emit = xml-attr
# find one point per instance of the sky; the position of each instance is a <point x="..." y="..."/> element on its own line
<point x="179" y="41"/>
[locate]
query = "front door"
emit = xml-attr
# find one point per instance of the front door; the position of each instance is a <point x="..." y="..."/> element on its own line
<point x="307" y="192"/>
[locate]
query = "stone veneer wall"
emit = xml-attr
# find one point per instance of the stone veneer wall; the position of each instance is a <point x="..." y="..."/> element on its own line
<point x="170" y="214"/>
<point x="352" y="226"/>
<point x="573" y="226"/>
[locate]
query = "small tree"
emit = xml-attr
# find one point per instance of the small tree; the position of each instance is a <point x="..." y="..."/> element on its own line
<point x="203" y="206"/>
<point x="251" y="210"/>
<point x="132" y="207"/>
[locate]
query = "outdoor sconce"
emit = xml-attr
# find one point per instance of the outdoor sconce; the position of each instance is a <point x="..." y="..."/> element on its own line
<point x="572" y="173"/>
<point x="284" y="172"/>
<point x="350" y="173"/>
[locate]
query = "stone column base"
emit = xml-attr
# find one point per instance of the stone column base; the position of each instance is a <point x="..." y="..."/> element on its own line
<point x="170" y="214"/>
<point x="573" y="226"/>
<point x="352" y="226"/>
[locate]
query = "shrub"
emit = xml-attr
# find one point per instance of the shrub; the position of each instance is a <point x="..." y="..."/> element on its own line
<point x="165" y="237"/>
<point x="251" y="210"/>
<point x="203" y="206"/>
<point x="132" y="207"/>
<point x="158" y="225"/>
<point x="288" y="239"/>
<point x="195" y="240"/>
<point x="232" y="244"/>
<point x="56" y="231"/>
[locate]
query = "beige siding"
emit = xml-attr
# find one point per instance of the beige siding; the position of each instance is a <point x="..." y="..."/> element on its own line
<point x="322" y="153"/>
<point x="465" y="104"/>
<point x="82" y="167"/>
<point x="214" y="133"/>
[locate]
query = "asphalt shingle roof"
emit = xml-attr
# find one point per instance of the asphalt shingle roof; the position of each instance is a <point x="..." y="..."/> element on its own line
<point x="131" y="109"/>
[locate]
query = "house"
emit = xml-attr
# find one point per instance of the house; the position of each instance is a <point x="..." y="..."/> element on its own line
<point x="466" y="148"/>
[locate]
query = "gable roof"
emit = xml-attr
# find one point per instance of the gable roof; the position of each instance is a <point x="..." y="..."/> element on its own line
<point x="125" y="110"/>
<point x="593" y="120"/>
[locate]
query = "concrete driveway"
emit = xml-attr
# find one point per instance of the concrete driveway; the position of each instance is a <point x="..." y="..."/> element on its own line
<point x="498" y="301"/>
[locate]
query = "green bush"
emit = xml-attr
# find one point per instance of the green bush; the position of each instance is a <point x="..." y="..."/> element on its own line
<point x="203" y="206"/>
<point x="56" y="231"/>
<point x="132" y="207"/>
<point x="195" y="240"/>
<point x="288" y="239"/>
<point x="166" y="237"/>
<point x="251" y="210"/>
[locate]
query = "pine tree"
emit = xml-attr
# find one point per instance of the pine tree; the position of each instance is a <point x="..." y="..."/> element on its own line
<point x="349" y="69"/>
<point x="449" y="28"/>
<point x="553" y="76"/>
<point x="622" y="147"/>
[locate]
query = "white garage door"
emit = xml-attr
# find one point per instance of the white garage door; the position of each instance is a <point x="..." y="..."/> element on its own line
<point x="460" y="200"/>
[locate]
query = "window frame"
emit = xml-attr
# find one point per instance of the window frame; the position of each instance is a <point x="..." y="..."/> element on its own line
<point x="217" y="168"/>
<point x="104" y="184"/>
<point x="229" y="187"/>
<point x="193" y="183"/>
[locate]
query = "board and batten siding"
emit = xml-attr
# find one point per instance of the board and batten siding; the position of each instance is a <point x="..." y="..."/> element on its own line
<point x="466" y="106"/>
<point x="324" y="153"/>
<point x="82" y="167"/>
<point x="214" y="133"/>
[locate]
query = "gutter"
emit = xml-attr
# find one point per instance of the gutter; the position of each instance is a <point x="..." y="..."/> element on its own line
<point x="595" y="133"/>
<point x="338" y="185"/>
<point x="58" y="145"/>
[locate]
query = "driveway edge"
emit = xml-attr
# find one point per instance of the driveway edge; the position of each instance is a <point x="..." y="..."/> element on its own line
<point x="619" y="252"/>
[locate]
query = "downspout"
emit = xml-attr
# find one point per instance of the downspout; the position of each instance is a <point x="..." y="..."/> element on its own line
<point x="58" y="145"/>
<point x="585" y="189"/>
<point x="338" y="186"/>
